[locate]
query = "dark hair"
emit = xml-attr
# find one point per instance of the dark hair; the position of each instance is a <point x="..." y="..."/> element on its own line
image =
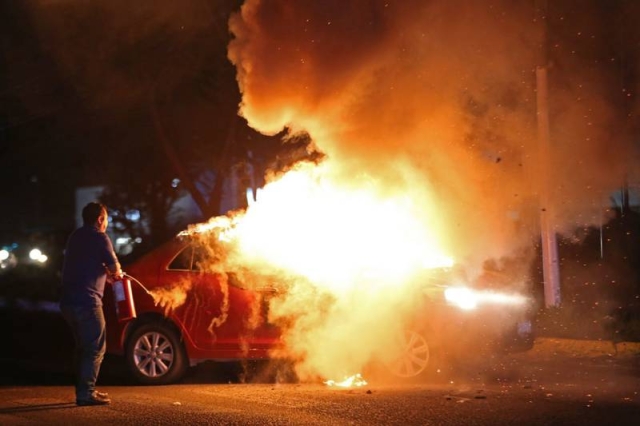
<point x="91" y="212"/>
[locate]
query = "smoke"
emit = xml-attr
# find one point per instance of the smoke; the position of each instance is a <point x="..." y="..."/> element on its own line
<point x="591" y="109"/>
<point x="435" y="100"/>
<point x="170" y="299"/>
<point x="414" y="94"/>
<point x="439" y="94"/>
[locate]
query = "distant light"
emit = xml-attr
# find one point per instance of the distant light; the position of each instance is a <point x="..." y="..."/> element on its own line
<point x="37" y="255"/>
<point x="138" y="240"/>
<point x="133" y="215"/>
<point x="175" y="182"/>
<point x="122" y="240"/>
<point x="4" y="254"/>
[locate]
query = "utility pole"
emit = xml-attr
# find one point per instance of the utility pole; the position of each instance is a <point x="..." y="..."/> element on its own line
<point x="550" y="261"/>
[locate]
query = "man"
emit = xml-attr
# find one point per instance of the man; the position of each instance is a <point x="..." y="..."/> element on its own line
<point x="88" y="258"/>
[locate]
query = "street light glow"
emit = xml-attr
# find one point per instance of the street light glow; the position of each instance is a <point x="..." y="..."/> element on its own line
<point x="37" y="255"/>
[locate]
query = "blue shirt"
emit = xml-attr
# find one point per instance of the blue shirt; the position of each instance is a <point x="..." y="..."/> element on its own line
<point x="86" y="256"/>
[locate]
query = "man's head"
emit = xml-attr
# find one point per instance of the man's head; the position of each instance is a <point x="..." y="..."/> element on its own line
<point x="95" y="214"/>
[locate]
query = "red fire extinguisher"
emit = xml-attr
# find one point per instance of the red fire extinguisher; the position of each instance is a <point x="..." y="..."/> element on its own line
<point x="125" y="307"/>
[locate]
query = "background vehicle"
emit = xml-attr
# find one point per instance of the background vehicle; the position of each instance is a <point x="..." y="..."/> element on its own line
<point x="458" y="320"/>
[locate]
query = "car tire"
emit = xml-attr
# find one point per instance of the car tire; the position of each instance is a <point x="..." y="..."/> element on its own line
<point x="415" y="356"/>
<point x="155" y="355"/>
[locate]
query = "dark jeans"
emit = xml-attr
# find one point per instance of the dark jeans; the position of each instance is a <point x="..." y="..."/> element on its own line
<point x="88" y="327"/>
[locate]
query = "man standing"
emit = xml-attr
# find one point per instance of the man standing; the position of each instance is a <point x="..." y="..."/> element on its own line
<point x="88" y="258"/>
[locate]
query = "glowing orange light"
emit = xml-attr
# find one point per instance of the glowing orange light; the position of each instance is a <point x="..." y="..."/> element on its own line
<point x="310" y="225"/>
<point x="354" y="381"/>
<point x="345" y="246"/>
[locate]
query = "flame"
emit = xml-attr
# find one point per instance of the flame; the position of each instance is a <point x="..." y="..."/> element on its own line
<point x="311" y="225"/>
<point x="344" y="246"/>
<point x="354" y="381"/>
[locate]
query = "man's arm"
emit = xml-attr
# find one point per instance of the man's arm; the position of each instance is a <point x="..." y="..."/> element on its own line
<point x="111" y="262"/>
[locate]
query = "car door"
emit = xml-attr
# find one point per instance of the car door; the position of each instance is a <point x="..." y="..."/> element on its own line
<point x="216" y="313"/>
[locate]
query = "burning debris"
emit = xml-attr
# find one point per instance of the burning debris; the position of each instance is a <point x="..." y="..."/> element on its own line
<point x="353" y="381"/>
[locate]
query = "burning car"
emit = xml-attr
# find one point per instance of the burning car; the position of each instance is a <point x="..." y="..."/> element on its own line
<point x="177" y="310"/>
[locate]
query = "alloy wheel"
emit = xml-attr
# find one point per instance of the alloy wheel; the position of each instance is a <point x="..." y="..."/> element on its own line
<point x="153" y="354"/>
<point x="414" y="355"/>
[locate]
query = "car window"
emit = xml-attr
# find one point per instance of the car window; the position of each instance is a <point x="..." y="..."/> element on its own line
<point x="182" y="261"/>
<point x="190" y="258"/>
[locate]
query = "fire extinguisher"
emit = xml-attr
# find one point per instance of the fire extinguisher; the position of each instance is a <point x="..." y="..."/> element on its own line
<point x="125" y="307"/>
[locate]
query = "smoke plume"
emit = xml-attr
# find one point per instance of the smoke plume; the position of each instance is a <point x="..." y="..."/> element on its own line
<point x="435" y="100"/>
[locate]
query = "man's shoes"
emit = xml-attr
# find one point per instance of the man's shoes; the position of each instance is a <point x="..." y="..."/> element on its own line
<point x="97" y="398"/>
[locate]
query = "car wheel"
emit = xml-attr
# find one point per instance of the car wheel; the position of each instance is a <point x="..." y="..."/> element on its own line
<point x="155" y="355"/>
<point x="414" y="356"/>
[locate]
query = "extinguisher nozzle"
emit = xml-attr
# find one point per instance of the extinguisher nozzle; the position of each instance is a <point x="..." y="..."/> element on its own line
<point x="137" y="282"/>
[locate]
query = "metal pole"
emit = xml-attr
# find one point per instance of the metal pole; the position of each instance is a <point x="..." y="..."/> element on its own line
<point x="550" y="263"/>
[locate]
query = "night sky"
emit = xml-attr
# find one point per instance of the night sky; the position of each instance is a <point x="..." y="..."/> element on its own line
<point x="76" y="84"/>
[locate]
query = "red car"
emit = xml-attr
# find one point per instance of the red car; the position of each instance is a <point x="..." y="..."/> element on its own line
<point x="185" y="315"/>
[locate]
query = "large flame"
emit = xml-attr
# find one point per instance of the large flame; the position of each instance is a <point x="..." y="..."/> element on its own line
<point x="337" y="235"/>
<point x="334" y="234"/>
<point x="347" y="248"/>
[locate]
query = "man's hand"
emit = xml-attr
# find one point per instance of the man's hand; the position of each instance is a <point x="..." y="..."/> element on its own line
<point x="114" y="272"/>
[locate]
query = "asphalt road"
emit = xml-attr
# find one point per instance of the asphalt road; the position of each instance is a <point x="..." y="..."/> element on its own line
<point x="556" y="383"/>
<point x="596" y="393"/>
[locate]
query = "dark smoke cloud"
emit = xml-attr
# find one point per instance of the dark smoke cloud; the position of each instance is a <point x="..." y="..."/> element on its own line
<point x="441" y="94"/>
